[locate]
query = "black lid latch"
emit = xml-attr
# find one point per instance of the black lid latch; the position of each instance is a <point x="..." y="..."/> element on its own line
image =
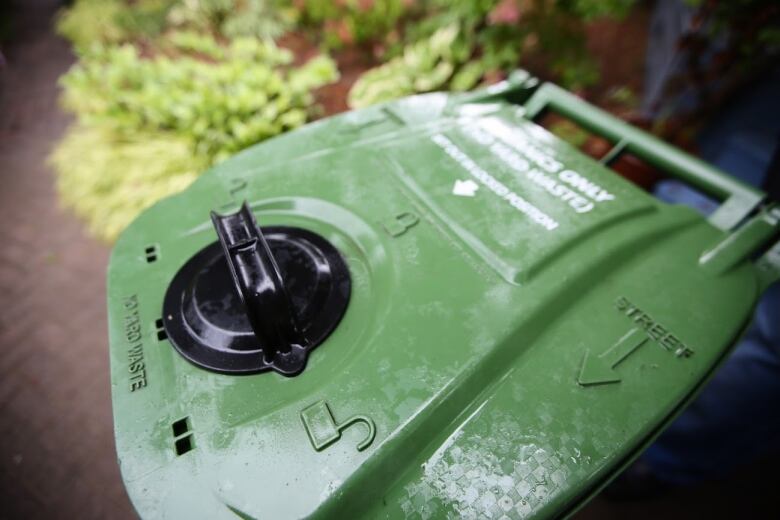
<point x="258" y="299"/>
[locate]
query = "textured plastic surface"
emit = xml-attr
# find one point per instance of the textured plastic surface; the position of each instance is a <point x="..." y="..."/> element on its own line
<point x="522" y="322"/>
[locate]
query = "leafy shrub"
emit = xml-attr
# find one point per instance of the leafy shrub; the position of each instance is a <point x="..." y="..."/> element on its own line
<point x="424" y="66"/>
<point x="352" y="21"/>
<point x="109" y="177"/>
<point x="218" y="106"/>
<point x="112" y="21"/>
<point x="266" y="19"/>
<point x="491" y="38"/>
<point x="148" y="124"/>
<point x="115" y="21"/>
<point x="89" y="21"/>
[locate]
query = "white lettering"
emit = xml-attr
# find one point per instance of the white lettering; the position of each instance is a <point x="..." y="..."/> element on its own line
<point x="542" y="157"/>
<point x="591" y="189"/>
<point x="494" y="185"/>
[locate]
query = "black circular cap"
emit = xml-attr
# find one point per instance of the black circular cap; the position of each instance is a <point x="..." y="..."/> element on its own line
<point x="258" y="299"/>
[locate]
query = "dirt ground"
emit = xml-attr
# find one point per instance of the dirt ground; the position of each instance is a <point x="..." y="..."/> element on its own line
<point x="57" y="457"/>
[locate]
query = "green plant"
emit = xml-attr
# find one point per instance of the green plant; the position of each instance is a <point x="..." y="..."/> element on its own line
<point x="89" y="21"/>
<point x="147" y="125"/>
<point x="218" y="106"/>
<point x="569" y="132"/>
<point x="112" y="21"/>
<point x="232" y="18"/>
<point x="424" y="66"/>
<point x="492" y="38"/>
<point x="109" y="177"/>
<point x="115" y="21"/>
<point x="144" y="18"/>
<point x="348" y="22"/>
<point x="196" y="43"/>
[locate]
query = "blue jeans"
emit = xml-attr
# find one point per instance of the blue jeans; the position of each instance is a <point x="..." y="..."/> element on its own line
<point x="737" y="415"/>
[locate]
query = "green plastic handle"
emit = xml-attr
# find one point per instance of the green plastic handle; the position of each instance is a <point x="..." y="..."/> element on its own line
<point x="738" y="199"/>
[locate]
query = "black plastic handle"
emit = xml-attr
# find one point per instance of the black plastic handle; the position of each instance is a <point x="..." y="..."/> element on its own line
<point x="258" y="282"/>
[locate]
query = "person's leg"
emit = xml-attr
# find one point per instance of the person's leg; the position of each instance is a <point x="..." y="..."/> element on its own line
<point x="737" y="415"/>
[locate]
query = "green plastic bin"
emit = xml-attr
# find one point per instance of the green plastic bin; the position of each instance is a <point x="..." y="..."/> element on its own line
<point x="446" y="311"/>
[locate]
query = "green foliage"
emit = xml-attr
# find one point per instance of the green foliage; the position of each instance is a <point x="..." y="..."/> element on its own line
<point x="424" y="66"/>
<point x="109" y="177"/>
<point x="352" y="21"/>
<point x="492" y="37"/>
<point x="114" y="21"/>
<point x="569" y="132"/>
<point x="623" y="97"/>
<point x="89" y="21"/>
<point x="590" y="9"/>
<point x="153" y="114"/>
<point x="220" y="107"/>
<point x="196" y="43"/>
<point x="165" y="88"/>
<point x="144" y="18"/>
<point x="232" y="18"/>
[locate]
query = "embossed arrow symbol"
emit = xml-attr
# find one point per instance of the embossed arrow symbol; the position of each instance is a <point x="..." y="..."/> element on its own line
<point x="600" y="370"/>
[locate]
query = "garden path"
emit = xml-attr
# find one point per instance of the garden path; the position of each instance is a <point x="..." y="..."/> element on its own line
<point x="57" y="456"/>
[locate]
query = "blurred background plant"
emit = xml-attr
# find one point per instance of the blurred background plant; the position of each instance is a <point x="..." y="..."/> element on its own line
<point x="232" y="18"/>
<point x="219" y="98"/>
<point x="213" y="77"/>
<point x="356" y="22"/>
<point x="459" y="44"/>
<point x="162" y="90"/>
<point x="111" y="21"/>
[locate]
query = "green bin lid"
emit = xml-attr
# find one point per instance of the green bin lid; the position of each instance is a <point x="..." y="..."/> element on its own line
<point x="428" y="308"/>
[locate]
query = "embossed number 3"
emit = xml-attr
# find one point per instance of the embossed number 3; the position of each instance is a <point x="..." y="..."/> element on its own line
<point x="400" y="223"/>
